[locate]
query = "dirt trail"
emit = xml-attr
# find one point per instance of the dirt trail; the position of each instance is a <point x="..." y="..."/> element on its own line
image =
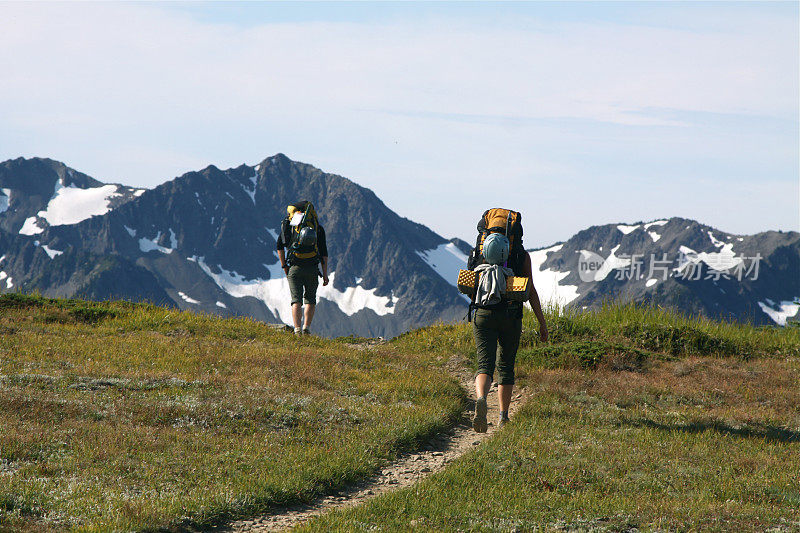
<point x="406" y="470"/>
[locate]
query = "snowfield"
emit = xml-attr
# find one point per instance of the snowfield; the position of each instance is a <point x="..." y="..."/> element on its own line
<point x="782" y="311"/>
<point x="612" y="262"/>
<point x="187" y="299"/>
<point x="29" y="227"/>
<point x="274" y="292"/>
<point x="627" y="229"/>
<point x="655" y="223"/>
<point x="52" y="253"/>
<point x="721" y="261"/>
<point x="5" y="200"/>
<point x="547" y="281"/>
<point x="252" y="193"/>
<point x="71" y="205"/>
<point x="150" y="245"/>
<point x="446" y="260"/>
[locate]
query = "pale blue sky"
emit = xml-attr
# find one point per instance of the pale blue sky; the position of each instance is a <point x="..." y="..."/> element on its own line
<point x="574" y="113"/>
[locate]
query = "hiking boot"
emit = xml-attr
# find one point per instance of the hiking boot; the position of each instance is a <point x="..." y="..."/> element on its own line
<point x="306" y="331"/>
<point x="479" y="421"/>
<point x="503" y="420"/>
<point x="298" y="331"/>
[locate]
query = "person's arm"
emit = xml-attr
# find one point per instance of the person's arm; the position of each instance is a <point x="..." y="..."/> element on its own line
<point x="324" y="264"/>
<point x="280" y="245"/>
<point x="533" y="299"/>
<point x="323" y="253"/>
<point x="282" y="259"/>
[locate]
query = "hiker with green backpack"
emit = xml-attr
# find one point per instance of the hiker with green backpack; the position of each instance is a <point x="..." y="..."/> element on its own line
<point x="304" y="239"/>
<point x="497" y="259"/>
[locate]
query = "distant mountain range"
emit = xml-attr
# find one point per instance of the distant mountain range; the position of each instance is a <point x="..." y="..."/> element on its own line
<point x="677" y="263"/>
<point x="205" y="241"/>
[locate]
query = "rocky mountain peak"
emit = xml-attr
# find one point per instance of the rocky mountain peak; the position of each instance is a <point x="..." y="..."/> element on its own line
<point x="206" y="241"/>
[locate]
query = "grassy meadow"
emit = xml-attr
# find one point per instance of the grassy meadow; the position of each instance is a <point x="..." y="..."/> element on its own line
<point x="115" y="416"/>
<point x="636" y="419"/>
<point x="129" y="417"/>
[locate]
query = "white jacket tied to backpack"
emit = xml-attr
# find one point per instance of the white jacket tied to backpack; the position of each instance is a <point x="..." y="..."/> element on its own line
<point x="492" y="285"/>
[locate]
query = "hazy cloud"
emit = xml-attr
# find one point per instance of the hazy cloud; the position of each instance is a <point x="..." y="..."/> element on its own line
<point x="418" y="109"/>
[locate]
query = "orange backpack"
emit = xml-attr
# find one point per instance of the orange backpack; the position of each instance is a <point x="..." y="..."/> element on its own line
<point x="507" y="222"/>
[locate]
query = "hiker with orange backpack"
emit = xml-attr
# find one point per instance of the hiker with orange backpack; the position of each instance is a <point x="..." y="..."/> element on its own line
<point x="498" y="258"/>
<point x="304" y="238"/>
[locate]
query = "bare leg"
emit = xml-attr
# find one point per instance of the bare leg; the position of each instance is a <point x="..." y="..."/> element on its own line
<point x="297" y="315"/>
<point x="505" y="396"/>
<point x="309" y="314"/>
<point x="482" y="384"/>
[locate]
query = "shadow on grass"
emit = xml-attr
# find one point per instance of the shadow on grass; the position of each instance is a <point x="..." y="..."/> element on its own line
<point x="755" y="431"/>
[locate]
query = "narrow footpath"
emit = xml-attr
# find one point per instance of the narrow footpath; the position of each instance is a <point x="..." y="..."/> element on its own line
<point x="405" y="471"/>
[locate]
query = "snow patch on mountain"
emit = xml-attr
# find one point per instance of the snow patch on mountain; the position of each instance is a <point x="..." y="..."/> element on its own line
<point x="612" y="262"/>
<point x="354" y="299"/>
<point x="70" y="205"/>
<point x="721" y="261"/>
<point x="779" y="313"/>
<point x="547" y="281"/>
<point x="187" y="299"/>
<point x="655" y="223"/>
<point x="149" y="245"/>
<point x="446" y="260"/>
<point x="273" y="233"/>
<point x="716" y="242"/>
<point x="650" y="282"/>
<point x="50" y="252"/>
<point x="29" y="227"/>
<point x="653" y="235"/>
<point x="251" y="192"/>
<point x="131" y="231"/>
<point x="274" y="292"/>
<point x="627" y="229"/>
<point x="7" y="278"/>
<point x="5" y="200"/>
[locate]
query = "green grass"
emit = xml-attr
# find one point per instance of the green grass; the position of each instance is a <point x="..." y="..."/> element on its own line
<point x="639" y="326"/>
<point x="635" y="417"/>
<point x="118" y="416"/>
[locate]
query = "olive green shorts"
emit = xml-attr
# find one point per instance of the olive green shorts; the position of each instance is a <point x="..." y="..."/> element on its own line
<point x="303" y="283"/>
<point x="496" y="340"/>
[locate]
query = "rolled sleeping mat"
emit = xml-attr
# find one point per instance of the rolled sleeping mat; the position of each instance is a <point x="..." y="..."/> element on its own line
<point x="517" y="287"/>
<point x="467" y="281"/>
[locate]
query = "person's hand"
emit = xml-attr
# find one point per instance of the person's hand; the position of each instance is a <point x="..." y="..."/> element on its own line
<point x="543" y="332"/>
<point x="325" y="280"/>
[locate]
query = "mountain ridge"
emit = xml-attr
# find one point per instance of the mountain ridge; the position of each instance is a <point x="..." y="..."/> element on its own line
<point x="205" y="241"/>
